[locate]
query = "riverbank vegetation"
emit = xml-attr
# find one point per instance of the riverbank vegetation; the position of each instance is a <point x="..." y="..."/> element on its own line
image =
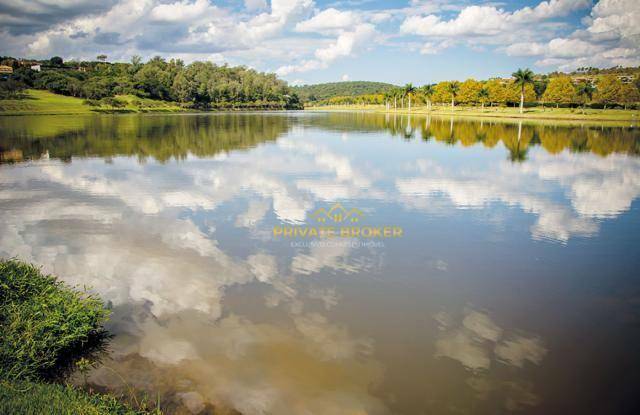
<point x="526" y="91"/>
<point x="48" y="330"/>
<point x="199" y="85"/>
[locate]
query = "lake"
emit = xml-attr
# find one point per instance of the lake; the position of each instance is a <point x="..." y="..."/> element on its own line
<point x="342" y="263"/>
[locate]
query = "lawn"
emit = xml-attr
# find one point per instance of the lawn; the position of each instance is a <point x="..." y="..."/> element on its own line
<point x="541" y="113"/>
<point x="39" y="102"/>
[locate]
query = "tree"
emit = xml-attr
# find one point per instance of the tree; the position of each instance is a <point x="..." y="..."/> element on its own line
<point x="409" y="90"/>
<point x="584" y="92"/>
<point x="469" y="91"/>
<point x="483" y="96"/>
<point x="540" y="86"/>
<point x="522" y="77"/>
<point x="428" y="90"/>
<point x="559" y="91"/>
<point x="11" y="88"/>
<point x="608" y="90"/>
<point x="628" y="95"/>
<point x="497" y="91"/>
<point x="102" y="58"/>
<point x="441" y="92"/>
<point x="56" y="61"/>
<point x="453" y="87"/>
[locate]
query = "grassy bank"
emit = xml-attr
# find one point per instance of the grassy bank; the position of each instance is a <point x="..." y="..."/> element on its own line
<point x="540" y="113"/>
<point x="38" y="102"/>
<point x="47" y="330"/>
<point x="29" y="398"/>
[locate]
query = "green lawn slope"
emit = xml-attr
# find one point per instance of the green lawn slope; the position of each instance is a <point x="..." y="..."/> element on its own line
<point x="39" y="102"/>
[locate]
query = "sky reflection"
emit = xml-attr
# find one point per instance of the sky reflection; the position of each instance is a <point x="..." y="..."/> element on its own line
<point x="210" y="310"/>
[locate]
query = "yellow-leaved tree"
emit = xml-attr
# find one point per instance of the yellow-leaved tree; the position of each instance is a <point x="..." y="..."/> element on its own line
<point x="608" y="90"/>
<point x="559" y="91"/>
<point x="468" y="93"/>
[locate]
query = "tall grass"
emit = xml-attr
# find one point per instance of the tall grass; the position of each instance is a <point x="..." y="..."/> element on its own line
<point x="28" y="398"/>
<point x="45" y="327"/>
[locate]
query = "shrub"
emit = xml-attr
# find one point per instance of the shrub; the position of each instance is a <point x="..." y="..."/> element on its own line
<point x="45" y="326"/>
<point x="113" y="102"/>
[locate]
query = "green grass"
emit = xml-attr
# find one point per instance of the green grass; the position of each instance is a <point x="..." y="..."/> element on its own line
<point x="546" y="113"/>
<point x="45" y="327"/>
<point x="28" y="398"/>
<point x="38" y="102"/>
<point x="43" y="102"/>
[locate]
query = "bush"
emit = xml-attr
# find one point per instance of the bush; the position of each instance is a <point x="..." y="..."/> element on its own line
<point x="11" y="88"/>
<point x="113" y="102"/>
<point x="45" y="326"/>
<point x="24" y="398"/>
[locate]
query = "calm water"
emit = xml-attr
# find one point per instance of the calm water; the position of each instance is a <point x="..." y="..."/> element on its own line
<point x="513" y="286"/>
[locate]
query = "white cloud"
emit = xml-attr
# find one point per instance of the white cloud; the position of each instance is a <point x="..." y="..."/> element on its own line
<point x="180" y="11"/>
<point x="347" y="43"/>
<point x="619" y="17"/>
<point x="328" y="20"/>
<point x="555" y="48"/>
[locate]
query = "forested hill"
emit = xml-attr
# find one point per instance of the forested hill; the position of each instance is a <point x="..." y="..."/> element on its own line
<point x="319" y="92"/>
<point x="200" y="85"/>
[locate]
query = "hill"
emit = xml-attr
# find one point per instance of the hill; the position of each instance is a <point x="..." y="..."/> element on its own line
<point x="320" y="92"/>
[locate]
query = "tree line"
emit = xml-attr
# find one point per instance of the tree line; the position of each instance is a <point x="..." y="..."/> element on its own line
<point x="197" y="85"/>
<point x="524" y="88"/>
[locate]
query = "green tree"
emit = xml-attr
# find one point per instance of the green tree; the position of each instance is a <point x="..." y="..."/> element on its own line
<point x="408" y="91"/>
<point x="102" y="58"/>
<point x="56" y="61"/>
<point x="584" y="92"/>
<point x="522" y="77"/>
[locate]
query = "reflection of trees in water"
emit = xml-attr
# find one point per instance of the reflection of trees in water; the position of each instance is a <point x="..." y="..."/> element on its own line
<point x="166" y="137"/>
<point x="517" y="137"/>
<point x="160" y="137"/>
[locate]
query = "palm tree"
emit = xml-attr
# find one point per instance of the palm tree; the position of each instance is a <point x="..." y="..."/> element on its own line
<point x="428" y="91"/>
<point x="483" y="96"/>
<point x="585" y="90"/>
<point x="517" y="151"/>
<point x="522" y="78"/>
<point x="409" y="90"/>
<point x="453" y="87"/>
<point x="395" y="98"/>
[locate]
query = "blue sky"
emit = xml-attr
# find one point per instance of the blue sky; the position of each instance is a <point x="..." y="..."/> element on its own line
<point x="310" y="41"/>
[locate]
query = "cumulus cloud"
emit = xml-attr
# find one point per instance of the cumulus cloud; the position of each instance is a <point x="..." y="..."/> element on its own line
<point x="347" y="43"/>
<point x="611" y="37"/>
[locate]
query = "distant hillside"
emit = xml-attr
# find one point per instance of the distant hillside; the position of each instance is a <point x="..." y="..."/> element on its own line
<point x="352" y="88"/>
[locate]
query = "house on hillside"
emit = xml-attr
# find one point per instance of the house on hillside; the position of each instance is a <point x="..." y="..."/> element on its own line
<point x="36" y="68"/>
<point x="4" y="69"/>
<point x="626" y="79"/>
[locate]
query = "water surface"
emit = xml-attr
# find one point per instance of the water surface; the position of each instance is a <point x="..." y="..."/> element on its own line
<point x="514" y="286"/>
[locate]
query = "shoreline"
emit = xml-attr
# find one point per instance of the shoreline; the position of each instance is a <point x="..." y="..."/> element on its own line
<point x="501" y="113"/>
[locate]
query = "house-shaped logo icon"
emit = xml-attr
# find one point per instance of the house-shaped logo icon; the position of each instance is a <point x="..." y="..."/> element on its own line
<point x="337" y="214"/>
